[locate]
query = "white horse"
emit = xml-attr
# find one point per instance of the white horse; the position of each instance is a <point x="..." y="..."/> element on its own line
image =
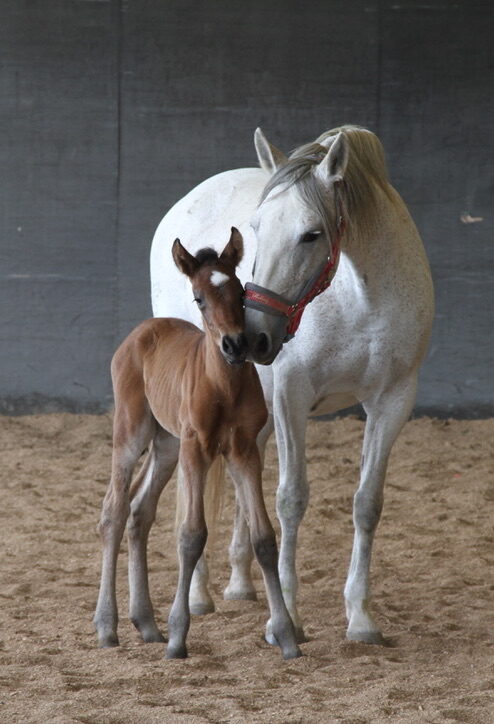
<point x="361" y="340"/>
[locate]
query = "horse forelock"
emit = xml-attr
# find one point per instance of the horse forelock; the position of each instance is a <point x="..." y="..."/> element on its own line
<point x="364" y="178"/>
<point x="207" y="256"/>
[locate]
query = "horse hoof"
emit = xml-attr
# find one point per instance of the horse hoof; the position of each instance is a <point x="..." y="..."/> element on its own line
<point x="201" y="609"/>
<point x="292" y="653"/>
<point x="367" y="637"/>
<point x="176" y="652"/>
<point x="109" y="642"/>
<point x="245" y="595"/>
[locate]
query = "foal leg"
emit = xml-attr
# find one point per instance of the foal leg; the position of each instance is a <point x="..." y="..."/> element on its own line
<point x="200" y="600"/>
<point x="386" y="415"/>
<point x="246" y="472"/>
<point x="162" y="462"/>
<point x="114" y="515"/>
<point x="240" y="586"/>
<point x="191" y="541"/>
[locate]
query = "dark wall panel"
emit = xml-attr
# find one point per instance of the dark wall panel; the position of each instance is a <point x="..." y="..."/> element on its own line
<point x="436" y="124"/>
<point x="59" y="157"/>
<point x="111" y="110"/>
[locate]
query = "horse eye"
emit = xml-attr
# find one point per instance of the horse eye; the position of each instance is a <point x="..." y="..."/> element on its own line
<point x="199" y="302"/>
<point x="310" y="236"/>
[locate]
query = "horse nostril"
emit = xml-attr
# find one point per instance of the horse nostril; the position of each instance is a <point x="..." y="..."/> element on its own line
<point x="262" y="344"/>
<point x="226" y="345"/>
<point x="235" y="346"/>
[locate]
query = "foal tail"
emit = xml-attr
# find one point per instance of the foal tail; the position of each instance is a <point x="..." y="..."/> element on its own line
<point x="213" y="497"/>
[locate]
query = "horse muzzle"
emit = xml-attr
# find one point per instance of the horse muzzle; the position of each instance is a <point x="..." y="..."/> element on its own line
<point x="265" y="334"/>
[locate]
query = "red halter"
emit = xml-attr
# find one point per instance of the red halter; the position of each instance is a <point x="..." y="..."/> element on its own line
<point x="264" y="300"/>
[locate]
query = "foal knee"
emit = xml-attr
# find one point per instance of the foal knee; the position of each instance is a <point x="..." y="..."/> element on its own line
<point x="266" y="550"/>
<point x="138" y="525"/>
<point x="191" y="543"/>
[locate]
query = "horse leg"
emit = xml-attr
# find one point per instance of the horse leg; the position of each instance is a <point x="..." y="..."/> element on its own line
<point x="240" y="586"/>
<point x="290" y="414"/>
<point x="386" y="415"/>
<point x="246" y="472"/>
<point x="114" y="515"/>
<point x="144" y="495"/>
<point x="191" y="541"/>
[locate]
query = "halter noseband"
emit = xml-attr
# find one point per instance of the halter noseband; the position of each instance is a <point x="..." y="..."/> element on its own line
<point x="264" y="300"/>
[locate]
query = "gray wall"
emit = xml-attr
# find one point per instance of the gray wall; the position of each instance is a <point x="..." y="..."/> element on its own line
<point x="111" y="111"/>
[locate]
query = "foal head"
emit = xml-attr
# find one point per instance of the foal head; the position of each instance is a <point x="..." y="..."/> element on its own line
<point x="218" y="293"/>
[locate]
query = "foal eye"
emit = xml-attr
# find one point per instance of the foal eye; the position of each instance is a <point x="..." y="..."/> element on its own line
<point x="199" y="302"/>
<point x="310" y="236"/>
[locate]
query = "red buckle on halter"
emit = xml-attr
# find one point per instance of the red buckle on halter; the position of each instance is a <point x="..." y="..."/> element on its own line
<point x="259" y="297"/>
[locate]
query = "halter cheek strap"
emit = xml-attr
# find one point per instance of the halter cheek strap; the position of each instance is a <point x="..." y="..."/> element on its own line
<point x="264" y="300"/>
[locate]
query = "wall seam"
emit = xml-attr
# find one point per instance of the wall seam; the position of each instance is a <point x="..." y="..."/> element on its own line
<point x="117" y="305"/>
<point x="379" y="66"/>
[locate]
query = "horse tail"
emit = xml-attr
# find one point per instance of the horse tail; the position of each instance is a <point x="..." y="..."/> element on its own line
<point x="213" y="497"/>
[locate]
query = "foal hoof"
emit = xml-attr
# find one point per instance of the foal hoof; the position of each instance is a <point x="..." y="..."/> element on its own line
<point x="154" y="637"/>
<point x="367" y="637"/>
<point x="148" y="631"/>
<point x="300" y="638"/>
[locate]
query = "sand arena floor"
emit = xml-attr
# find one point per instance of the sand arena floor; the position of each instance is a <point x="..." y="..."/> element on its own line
<point x="433" y="590"/>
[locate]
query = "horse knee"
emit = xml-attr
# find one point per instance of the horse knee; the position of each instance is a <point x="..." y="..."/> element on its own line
<point x="292" y="504"/>
<point x="366" y="511"/>
<point x="266" y="550"/>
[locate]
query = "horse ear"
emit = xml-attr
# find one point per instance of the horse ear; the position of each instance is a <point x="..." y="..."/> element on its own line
<point x="270" y="158"/>
<point x="233" y="252"/>
<point x="333" y="166"/>
<point x="187" y="263"/>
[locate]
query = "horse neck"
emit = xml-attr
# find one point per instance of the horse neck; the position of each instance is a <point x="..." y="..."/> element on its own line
<point x="369" y="243"/>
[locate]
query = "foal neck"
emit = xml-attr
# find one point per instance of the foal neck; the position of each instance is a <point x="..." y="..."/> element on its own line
<point x="223" y="376"/>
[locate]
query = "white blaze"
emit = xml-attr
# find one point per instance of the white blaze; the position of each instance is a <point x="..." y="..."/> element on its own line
<point x="218" y="278"/>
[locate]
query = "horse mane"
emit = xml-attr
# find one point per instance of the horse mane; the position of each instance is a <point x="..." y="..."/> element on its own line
<point x="365" y="177"/>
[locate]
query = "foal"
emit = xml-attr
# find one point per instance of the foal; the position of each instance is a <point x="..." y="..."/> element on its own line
<point x="193" y="397"/>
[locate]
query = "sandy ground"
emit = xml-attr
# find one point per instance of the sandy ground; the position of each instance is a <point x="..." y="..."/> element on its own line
<point x="432" y="572"/>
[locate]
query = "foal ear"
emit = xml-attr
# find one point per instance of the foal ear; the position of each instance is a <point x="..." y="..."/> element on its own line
<point x="333" y="166"/>
<point x="270" y="158"/>
<point x="187" y="263"/>
<point x="233" y="252"/>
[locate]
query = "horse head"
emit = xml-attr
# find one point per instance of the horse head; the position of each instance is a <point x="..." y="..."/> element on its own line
<point x="299" y="223"/>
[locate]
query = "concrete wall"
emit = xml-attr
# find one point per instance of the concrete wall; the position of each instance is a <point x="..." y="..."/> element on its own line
<point x="111" y="111"/>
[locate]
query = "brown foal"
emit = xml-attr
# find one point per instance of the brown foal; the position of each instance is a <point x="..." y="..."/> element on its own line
<point x="190" y="396"/>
